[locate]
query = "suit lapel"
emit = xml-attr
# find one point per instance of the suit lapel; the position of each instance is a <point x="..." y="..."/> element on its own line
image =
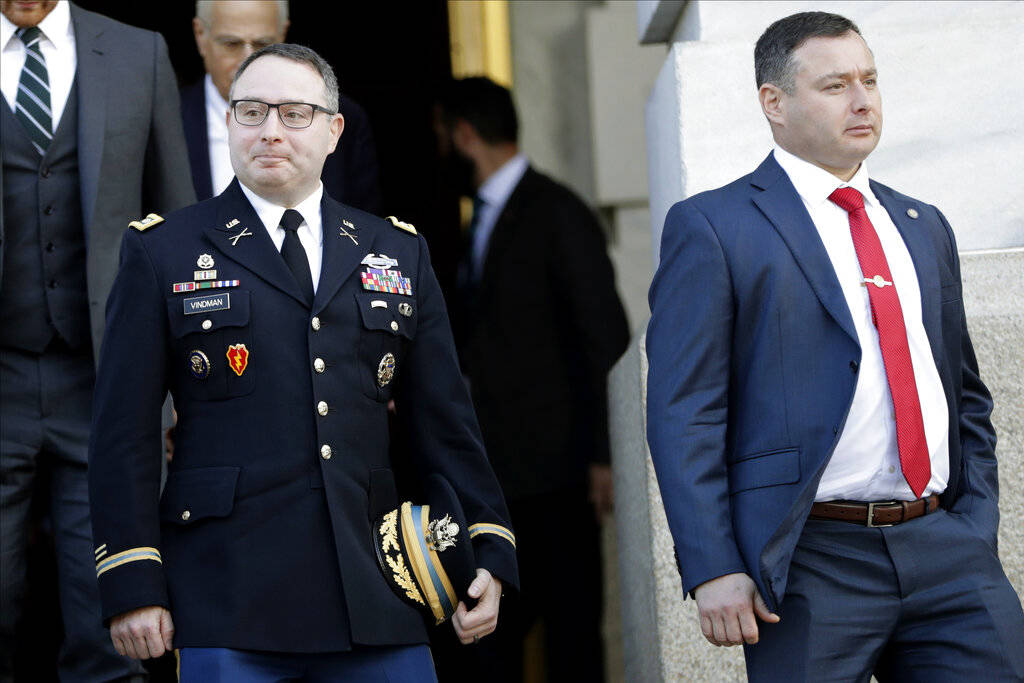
<point x="255" y="252"/>
<point x="781" y="204"/>
<point x="92" y="107"/>
<point x="922" y="253"/>
<point x="341" y="255"/>
<point x="193" y="115"/>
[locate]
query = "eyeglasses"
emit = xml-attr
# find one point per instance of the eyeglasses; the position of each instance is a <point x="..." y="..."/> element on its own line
<point x="234" y="45"/>
<point x="291" y="114"/>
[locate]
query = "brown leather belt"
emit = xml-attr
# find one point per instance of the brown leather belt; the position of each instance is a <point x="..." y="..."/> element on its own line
<point x="885" y="513"/>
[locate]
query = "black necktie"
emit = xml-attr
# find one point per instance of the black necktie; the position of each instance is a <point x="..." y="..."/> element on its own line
<point x="294" y="255"/>
<point x="32" y="103"/>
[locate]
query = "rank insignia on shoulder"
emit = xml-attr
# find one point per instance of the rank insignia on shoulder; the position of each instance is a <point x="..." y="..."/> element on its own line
<point x="402" y="225"/>
<point x="144" y="224"/>
<point x="238" y="358"/>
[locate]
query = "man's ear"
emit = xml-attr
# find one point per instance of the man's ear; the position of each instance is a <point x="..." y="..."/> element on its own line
<point x="464" y="135"/>
<point x="337" y="127"/>
<point x="199" y="31"/>
<point x="772" y="99"/>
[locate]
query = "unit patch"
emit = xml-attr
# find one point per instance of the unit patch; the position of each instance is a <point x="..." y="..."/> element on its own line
<point x="238" y="358"/>
<point x="205" y="304"/>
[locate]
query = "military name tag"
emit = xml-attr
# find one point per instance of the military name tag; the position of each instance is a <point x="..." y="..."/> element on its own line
<point x="205" y="304"/>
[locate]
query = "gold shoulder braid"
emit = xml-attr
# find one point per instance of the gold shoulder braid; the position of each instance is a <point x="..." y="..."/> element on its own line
<point x="393" y="555"/>
<point x="401" y="225"/>
<point x="144" y="224"/>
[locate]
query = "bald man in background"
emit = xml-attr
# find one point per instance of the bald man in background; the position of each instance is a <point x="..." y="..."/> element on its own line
<point x="226" y="32"/>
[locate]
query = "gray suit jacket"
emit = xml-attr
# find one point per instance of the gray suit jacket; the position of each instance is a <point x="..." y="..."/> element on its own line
<point x="132" y="156"/>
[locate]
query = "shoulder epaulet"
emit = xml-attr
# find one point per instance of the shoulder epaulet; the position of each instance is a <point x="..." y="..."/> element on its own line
<point x="402" y="225"/>
<point x="146" y="223"/>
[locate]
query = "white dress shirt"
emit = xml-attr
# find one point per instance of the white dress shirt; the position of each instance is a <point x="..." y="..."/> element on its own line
<point x="494" y="192"/>
<point x="310" y="232"/>
<point x="221" y="172"/>
<point x="58" y="47"/>
<point x="866" y="463"/>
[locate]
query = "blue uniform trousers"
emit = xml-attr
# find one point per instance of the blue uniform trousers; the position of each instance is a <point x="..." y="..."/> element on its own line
<point x="402" y="664"/>
<point x="926" y="600"/>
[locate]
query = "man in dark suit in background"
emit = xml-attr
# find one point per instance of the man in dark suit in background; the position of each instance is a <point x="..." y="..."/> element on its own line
<point x="90" y="136"/>
<point x="816" y="418"/>
<point x="538" y="324"/>
<point x="226" y="32"/>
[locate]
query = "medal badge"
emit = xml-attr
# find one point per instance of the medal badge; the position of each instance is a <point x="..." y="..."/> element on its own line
<point x="198" y="364"/>
<point x="379" y="280"/>
<point x="238" y="358"/>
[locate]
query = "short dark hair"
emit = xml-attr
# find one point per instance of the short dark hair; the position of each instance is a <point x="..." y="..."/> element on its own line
<point x="303" y="55"/>
<point x="482" y="103"/>
<point x="773" y="54"/>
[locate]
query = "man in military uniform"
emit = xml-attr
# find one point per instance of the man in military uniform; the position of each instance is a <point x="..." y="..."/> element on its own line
<point x="282" y="323"/>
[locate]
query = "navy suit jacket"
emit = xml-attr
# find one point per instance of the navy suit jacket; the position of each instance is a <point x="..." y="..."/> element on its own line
<point x="262" y="536"/>
<point x="350" y="173"/>
<point x="753" y="364"/>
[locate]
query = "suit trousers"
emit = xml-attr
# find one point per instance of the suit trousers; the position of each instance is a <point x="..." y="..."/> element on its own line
<point x="926" y="600"/>
<point x="400" y="664"/>
<point x="46" y="403"/>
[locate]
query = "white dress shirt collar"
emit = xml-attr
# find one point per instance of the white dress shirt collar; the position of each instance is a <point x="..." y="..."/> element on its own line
<point x="58" y="47"/>
<point x="496" y="190"/>
<point x="311" y="232"/>
<point x="814" y="184"/>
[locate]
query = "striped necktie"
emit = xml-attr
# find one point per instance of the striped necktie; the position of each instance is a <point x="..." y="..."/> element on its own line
<point x="32" y="104"/>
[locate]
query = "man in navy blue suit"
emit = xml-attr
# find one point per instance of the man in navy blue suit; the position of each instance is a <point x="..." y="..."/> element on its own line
<point x="283" y="323"/>
<point x="226" y="32"/>
<point x="816" y="418"/>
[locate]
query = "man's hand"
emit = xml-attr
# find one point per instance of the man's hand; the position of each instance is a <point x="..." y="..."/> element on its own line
<point x="471" y="625"/>
<point x="142" y="633"/>
<point x="727" y="607"/>
<point x="602" y="491"/>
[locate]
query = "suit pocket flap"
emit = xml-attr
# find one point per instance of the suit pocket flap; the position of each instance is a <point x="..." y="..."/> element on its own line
<point x="766" y="469"/>
<point x="381" y="312"/>
<point x="192" y="495"/>
<point x="208" y="312"/>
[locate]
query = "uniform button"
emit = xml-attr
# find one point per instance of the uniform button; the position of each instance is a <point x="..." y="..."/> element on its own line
<point x="45" y="172"/>
<point x="319" y="365"/>
<point x="892" y="468"/>
<point x="48" y="210"/>
<point x="185" y="515"/>
<point x="50" y="246"/>
<point x="315" y="322"/>
<point x="321" y="407"/>
<point x="207" y="324"/>
<point x="853" y="366"/>
<point x="394" y="326"/>
<point x="325" y="452"/>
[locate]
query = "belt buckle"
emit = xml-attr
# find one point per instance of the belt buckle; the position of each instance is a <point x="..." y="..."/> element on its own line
<point x="871" y="514"/>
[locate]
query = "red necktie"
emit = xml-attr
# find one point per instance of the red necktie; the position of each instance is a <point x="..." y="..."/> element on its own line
<point x="892" y="337"/>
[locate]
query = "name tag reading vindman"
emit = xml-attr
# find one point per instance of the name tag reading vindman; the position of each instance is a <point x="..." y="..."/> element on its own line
<point x="205" y="304"/>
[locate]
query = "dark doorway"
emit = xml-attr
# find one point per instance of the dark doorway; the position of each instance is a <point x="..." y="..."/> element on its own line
<point x="389" y="57"/>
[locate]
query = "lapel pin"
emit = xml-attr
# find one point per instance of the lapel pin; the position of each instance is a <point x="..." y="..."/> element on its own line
<point x="342" y="232"/>
<point x="232" y="223"/>
<point x="205" y="261"/>
<point x="912" y="213"/>
<point x="234" y="238"/>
